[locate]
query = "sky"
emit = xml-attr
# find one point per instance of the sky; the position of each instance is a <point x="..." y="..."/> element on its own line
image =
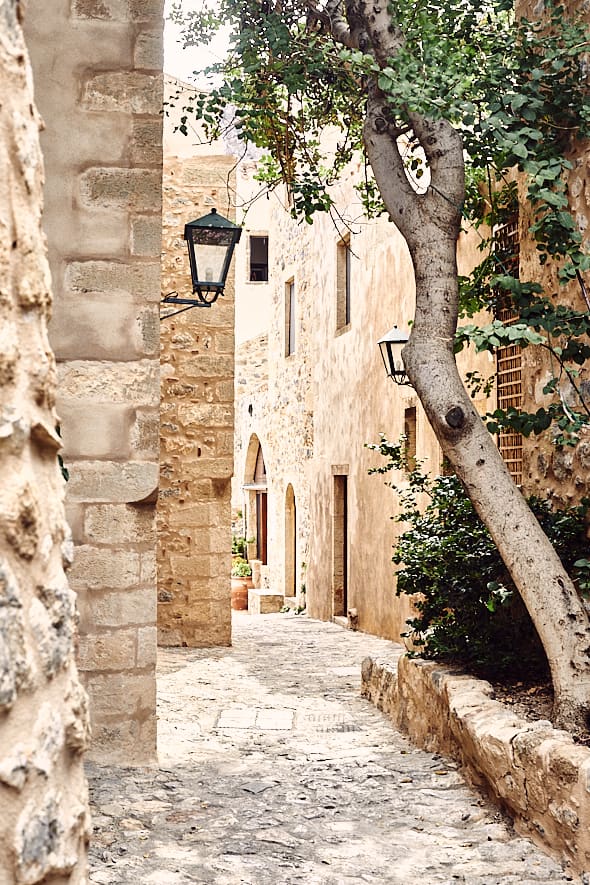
<point x="181" y="63"/>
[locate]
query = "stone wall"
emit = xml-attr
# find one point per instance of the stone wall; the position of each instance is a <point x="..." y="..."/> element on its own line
<point x="561" y="473"/>
<point x="44" y="822"/>
<point x="197" y="364"/>
<point x="532" y="769"/>
<point x="97" y="69"/>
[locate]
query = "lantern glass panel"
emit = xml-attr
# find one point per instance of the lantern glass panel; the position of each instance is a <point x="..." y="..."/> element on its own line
<point x="210" y="261"/>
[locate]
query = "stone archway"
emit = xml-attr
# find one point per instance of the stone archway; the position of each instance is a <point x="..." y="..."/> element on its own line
<point x="255" y="488"/>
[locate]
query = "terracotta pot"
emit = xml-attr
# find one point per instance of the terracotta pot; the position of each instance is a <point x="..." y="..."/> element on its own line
<point x="239" y="594"/>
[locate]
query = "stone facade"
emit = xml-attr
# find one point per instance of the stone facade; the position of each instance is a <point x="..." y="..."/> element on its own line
<point x="313" y="411"/>
<point x="197" y="408"/>
<point x="44" y="823"/>
<point x="97" y="70"/>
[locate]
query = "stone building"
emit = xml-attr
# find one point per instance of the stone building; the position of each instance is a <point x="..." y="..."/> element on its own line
<point x="98" y="84"/>
<point x="311" y="392"/>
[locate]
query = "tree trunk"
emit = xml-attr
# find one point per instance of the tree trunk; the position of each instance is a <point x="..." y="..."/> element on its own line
<point x="544" y="585"/>
<point x="430" y="224"/>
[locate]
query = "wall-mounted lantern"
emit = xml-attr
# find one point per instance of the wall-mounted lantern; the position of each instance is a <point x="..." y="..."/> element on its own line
<point x="391" y="346"/>
<point x="211" y="241"/>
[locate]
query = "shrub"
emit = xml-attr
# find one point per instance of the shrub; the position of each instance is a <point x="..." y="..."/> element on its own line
<point x="240" y="568"/>
<point x="467" y="607"/>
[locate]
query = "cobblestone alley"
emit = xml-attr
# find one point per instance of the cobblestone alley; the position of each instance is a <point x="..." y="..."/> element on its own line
<point x="273" y="770"/>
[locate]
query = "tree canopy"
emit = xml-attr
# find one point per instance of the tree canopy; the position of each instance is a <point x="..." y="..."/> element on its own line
<point x="515" y="89"/>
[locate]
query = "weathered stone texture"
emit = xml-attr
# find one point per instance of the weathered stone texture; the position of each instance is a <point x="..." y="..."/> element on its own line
<point x="103" y="143"/>
<point x="314" y="410"/>
<point x="44" y="821"/>
<point x="194" y="540"/>
<point x="534" y="770"/>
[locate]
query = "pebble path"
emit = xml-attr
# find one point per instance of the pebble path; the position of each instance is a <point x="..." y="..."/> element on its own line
<point x="274" y="771"/>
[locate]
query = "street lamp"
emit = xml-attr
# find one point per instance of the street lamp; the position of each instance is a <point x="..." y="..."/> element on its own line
<point x="391" y="346"/>
<point x="210" y="241"/>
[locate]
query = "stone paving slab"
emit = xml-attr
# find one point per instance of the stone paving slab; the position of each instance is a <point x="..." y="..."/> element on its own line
<point x="274" y="771"/>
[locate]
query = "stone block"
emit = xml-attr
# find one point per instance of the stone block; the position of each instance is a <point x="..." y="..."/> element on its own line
<point x="147" y="567"/>
<point x="75" y="520"/>
<point x="189" y="515"/>
<point x="101" y="329"/>
<point x="149" y="328"/>
<point x="146" y="143"/>
<point x="127" y="695"/>
<point x="146" y="235"/>
<point x="264" y="602"/>
<point x="133" y="382"/>
<point x="117" y="608"/>
<point x="224" y="342"/>
<point x="140" y="280"/>
<point x="91" y="430"/>
<point x="211" y="468"/>
<point x="101" y="10"/>
<point x="206" y="414"/>
<point x="118" y="10"/>
<point x="148" y="52"/>
<point x="136" y="190"/>
<point x="96" y="568"/>
<point x="119" y="524"/>
<point x="145" y="434"/>
<point x="107" y="651"/>
<point x="146" y="10"/>
<point x="125" y="742"/>
<point x="208" y="366"/>
<point x="123" y="91"/>
<point x="115" y="482"/>
<point x="224" y="392"/>
<point x="147" y="646"/>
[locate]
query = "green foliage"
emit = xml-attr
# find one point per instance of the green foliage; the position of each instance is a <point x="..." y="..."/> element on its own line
<point x="239" y="545"/>
<point x="467" y="608"/>
<point x="241" y="568"/>
<point x="516" y="90"/>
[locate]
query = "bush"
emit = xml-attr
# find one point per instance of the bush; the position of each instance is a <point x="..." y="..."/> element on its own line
<point x="240" y="568"/>
<point x="467" y="607"/>
<point x="238" y="545"/>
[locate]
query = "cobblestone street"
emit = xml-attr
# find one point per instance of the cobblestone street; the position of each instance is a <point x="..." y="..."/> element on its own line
<point x="273" y="770"/>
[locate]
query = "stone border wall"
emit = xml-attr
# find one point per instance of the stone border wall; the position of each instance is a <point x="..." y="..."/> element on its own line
<point x="535" y="771"/>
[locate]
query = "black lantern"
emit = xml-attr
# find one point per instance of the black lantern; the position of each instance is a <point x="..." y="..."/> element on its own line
<point x="391" y="346"/>
<point x="211" y="241"/>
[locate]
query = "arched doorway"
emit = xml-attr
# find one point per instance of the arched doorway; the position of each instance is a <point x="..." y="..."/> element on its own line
<point x="256" y="491"/>
<point x="290" y="543"/>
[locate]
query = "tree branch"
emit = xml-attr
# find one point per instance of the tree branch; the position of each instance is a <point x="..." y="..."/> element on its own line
<point x="380" y="139"/>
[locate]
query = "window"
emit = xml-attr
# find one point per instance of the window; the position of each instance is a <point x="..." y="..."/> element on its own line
<point x="343" y="283"/>
<point x="290" y="318"/>
<point x="509" y="359"/>
<point x="258" y="259"/>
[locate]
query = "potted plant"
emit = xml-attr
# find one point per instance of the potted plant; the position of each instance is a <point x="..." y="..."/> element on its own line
<point x="241" y="581"/>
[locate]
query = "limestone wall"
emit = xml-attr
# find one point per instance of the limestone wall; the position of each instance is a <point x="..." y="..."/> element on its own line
<point x="194" y="534"/>
<point x="314" y="410"/>
<point x="533" y="770"/>
<point x="43" y="712"/>
<point x="97" y="68"/>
